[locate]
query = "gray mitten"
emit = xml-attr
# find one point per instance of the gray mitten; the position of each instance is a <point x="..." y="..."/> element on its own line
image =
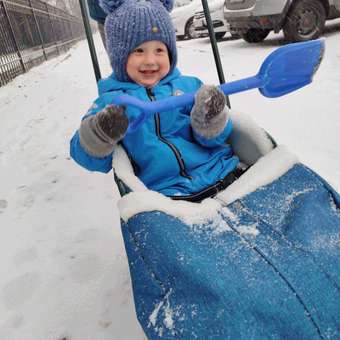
<point x="99" y="133"/>
<point x="209" y="114"/>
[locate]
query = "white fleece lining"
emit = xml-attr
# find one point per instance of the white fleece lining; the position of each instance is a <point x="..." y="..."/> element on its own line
<point x="248" y="140"/>
<point x="124" y="170"/>
<point x="266" y="170"/>
<point x="190" y="213"/>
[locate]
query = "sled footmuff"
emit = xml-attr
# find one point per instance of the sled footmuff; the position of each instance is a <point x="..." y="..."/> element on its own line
<point x="267" y="266"/>
<point x="259" y="261"/>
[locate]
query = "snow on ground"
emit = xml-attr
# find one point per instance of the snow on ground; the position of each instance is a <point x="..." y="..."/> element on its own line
<point x="63" y="270"/>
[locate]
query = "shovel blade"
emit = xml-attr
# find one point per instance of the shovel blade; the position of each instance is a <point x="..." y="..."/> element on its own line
<point x="290" y="67"/>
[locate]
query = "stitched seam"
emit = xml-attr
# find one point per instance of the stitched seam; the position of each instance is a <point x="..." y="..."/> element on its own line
<point x="290" y="286"/>
<point x="149" y="268"/>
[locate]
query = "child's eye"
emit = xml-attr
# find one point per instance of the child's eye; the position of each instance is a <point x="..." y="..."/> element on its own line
<point x="160" y="50"/>
<point x="138" y="50"/>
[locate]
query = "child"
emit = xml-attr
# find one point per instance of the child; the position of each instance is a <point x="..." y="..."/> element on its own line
<point x="181" y="153"/>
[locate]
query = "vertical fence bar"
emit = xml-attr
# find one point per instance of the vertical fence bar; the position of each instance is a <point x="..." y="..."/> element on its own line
<point x="73" y="35"/>
<point x="52" y="27"/>
<point x="13" y="37"/>
<point x="38" y="28"/>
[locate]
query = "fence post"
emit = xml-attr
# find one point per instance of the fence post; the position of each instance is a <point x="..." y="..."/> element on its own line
<point x="38" y="28"/>
<point x="13" y="36"/>
<point x="72" y="30"/>
<point x="55" y="36"/>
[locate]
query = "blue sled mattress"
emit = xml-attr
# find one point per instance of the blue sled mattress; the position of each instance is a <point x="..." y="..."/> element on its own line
<point x="264" y="265"/>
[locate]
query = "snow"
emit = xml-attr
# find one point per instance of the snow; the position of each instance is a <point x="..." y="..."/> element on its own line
<point x="168" y="314"/>
<point x="250" y="230"/>
<point x="63" y="270"/>
<point x="190" y="213"/>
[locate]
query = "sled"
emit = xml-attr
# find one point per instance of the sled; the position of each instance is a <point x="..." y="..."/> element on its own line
<point x="261" y="260"/>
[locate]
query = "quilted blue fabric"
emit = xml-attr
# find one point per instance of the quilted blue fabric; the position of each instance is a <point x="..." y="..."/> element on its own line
<point x="271" y="272"/>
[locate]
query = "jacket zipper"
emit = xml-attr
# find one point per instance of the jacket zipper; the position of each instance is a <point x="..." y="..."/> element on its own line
<point x="173" y="148"/>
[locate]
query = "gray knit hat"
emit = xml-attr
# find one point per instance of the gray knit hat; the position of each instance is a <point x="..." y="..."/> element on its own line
<point x="132" y="22"/>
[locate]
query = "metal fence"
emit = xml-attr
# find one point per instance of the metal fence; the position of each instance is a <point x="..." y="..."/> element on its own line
<point x="32" y="31"/>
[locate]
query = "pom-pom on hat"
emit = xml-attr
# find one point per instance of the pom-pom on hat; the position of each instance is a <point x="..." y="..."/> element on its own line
<point x="130" y="23"/>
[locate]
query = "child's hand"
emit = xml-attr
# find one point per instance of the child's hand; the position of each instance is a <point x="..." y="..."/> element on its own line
<point x="209" y="114"/>
<point x="210" y="100"/>
<point x="113" y="122"/>
<point x="99" y="133"/>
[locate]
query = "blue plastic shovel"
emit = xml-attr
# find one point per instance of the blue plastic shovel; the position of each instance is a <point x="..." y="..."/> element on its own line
<point x="285" y="70"/>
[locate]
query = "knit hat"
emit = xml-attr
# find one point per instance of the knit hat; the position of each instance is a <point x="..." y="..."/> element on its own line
<point x="132" y="22"/>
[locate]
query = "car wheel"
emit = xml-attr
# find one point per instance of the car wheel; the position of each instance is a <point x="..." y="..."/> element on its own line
<point x="305" y="21"/>
<point x="219" y="35"/>
<point x="255" y="35"/>
<point x="190" y="32"/>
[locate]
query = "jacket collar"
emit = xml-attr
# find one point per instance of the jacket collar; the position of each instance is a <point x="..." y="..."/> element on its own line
<point x="112" y="84"/>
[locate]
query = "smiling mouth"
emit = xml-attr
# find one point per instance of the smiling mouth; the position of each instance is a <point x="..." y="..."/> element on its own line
<point x="148" y="72"/>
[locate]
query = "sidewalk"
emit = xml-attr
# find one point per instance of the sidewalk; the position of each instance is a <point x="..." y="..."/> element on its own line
<point x="63" y="271"/>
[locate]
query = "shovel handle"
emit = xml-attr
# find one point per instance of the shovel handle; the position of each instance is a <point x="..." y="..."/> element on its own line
<point x="148" y="109"/>
<point x="286" y="69"/>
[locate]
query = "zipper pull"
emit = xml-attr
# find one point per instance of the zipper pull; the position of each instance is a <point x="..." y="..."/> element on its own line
<point x="149" y="93"/>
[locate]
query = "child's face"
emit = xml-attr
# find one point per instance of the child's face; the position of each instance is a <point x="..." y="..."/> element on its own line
<point x="148" y="63"/>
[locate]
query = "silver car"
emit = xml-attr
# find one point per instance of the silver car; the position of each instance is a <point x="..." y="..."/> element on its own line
<point x="300" y="20"/>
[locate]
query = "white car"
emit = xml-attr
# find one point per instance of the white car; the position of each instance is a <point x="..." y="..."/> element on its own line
<point x="183" y="18"/>
<point x="220" y="25"/>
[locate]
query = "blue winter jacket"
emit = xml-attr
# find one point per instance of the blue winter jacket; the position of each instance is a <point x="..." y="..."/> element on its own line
<point x="168" y="155"/>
